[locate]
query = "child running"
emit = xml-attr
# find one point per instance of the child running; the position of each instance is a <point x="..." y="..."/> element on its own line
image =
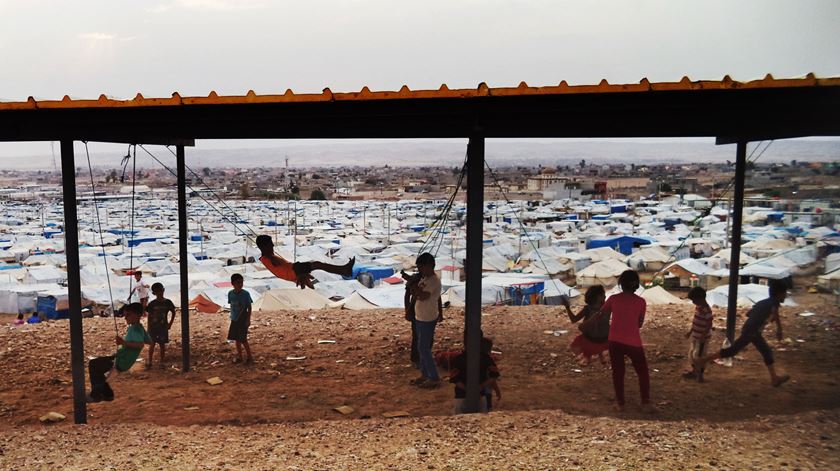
<point x="158" y="325"/>
<point x="299" y="272"/>
<point x="130" y="347"/>
<point x="764" y="311"/>
<point x="595" y="329"/>
<point x="240" y="318"/>
<point x="628" y="315"/>
<point x="700" y="333"/>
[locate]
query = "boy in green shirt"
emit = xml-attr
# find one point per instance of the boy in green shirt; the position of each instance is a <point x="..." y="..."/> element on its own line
<point x="130" y="347"/>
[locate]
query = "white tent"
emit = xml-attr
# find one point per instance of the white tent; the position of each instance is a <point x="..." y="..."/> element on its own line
<point x="657" y="295"/>
<point x="604" y="273"/>
<point x="291" y="299"/>
<point x="748" y="295"/>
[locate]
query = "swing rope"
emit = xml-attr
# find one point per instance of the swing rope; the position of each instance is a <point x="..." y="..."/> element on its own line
<point x="212" y="206"/>
<point x="101" y="239"/>
<point x="131" y="227"/>
<point x="207" y="187"/>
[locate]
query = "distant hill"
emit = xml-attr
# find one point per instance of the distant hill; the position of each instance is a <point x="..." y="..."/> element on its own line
<point x="451" y="152"/>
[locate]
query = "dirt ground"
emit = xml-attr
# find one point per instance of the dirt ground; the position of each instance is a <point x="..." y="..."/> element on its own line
<point x="278" y="413"/>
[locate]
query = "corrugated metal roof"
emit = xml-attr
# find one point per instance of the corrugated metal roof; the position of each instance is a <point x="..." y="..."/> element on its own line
<point x="482" y="90"/>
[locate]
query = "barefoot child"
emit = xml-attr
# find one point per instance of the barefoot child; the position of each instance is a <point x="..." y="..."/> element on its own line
<point x="764" y="311"/>
<point x="240" y="317"/>
<point x="130" y="347"/>
<point x="299" y="272"/>
<point x="158" y="326"/>
<point x="594" y="331"/>
<point x="628" y="315"/>
<point x="700" y="333"/>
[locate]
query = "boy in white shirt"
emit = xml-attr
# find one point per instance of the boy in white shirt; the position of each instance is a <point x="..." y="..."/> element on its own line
<point x="141" y="288"/>
<point x="426" y="313"/>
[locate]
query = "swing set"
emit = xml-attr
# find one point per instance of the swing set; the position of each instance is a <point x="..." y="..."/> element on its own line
<point x="730" y="111"/>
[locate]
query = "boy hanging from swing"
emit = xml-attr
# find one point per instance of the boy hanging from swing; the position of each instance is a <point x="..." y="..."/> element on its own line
<point x="299" y="272"/>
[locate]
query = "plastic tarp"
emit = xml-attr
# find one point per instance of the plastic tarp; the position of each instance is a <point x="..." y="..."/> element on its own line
<point x="762" y="270"/>
<point x="624" y="243"/>
<point x="338" y="289"/>
<point x="384" y="297"/>
<point x="603" y="253"/>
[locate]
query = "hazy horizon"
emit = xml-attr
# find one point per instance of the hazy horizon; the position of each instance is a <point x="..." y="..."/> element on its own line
<point x="448" y="152"/>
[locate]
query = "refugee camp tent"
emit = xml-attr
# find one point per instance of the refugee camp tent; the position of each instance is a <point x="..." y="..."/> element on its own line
<point x="830" y="281"/>
<point x="291" y="299"/>
<point x="649" y="259"/>
<point x="658" y="296"/>
<point x="601" y="273"/>
<point x="832" y="262"/>
<point x="748" y="294"/>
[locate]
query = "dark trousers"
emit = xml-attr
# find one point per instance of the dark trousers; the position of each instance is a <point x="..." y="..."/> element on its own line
<point x="637" y="356"/>
<point x="99" y="388"/>
<point x="415" y="356"/>
<point x="749" y="336"/>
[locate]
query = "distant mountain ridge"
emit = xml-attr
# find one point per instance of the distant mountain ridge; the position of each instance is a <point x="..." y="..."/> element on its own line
<point x="451" y="153"/>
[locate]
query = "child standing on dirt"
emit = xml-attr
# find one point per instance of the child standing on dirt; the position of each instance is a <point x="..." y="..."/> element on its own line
<point x="700" y="332"/>
<point x="628" y="315"/>
<point x="426" y="315"/>
<point x="764" y="311"/>
<point x="130" y="347"/>
<point x="141" y="288"/>
<point x="240" y="317"/>
<point x="157" y="324"/>
<point x="595" y="329"/>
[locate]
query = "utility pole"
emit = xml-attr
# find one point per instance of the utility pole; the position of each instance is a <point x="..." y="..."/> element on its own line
<point x="388" y="210"/>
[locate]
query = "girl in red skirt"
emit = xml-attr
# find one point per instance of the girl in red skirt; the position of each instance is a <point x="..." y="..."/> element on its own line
<point x="594" y="330"/>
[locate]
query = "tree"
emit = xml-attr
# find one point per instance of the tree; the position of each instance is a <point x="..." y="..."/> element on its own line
<point x="583" y="163"/>
<point x="317" y="195"/>
<point x="665" y="187"/>
<point x="206" y="171"/>
<point x="244" y="191"/>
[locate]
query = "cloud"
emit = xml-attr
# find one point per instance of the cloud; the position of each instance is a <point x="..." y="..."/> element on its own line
<point x="217" y="5"/>
<point x="100" y="36"/>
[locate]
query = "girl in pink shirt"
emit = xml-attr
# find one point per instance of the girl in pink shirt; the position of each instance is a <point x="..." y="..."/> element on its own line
<point x="628" y="315"/>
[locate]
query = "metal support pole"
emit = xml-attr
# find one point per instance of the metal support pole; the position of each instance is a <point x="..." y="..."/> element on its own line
<point x="475" y="229"/>
<point x="74" y="282"/>
<point x="735" y="246"/>
<point x="182" y="257"/>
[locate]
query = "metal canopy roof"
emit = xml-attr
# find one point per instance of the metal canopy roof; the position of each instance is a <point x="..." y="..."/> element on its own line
<point x="730" y="110"/>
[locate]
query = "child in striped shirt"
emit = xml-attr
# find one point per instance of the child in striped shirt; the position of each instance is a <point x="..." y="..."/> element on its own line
<point x="700" y="333"/>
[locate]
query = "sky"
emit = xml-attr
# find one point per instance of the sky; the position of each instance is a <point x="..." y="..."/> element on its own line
<point x="52" y="48"/>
